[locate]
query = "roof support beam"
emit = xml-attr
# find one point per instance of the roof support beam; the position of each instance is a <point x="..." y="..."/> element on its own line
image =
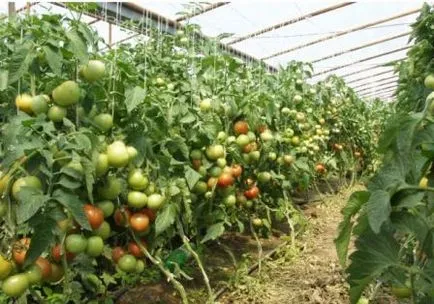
<point x="370" y="76"/>
<point x="373" y="67"/>
<point x="341" y="33"/>
<point x="362" y="47"/>
<point x="362" y="60"/>
<point x="201" y="11"/>
<point x="133" y="12"/>
<point x="379" y="88"/>
<point x="378" y="93"/>
<point x="289" y="22"/>
<point x="374" y="82"/>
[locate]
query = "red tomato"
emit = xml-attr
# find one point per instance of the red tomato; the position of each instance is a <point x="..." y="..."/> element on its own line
<point x="135" y="250"/>
<point x="150" y="213"/>
<point x="122" y="218"/>
<point x="252" y="193"/>
<point x="225" y="180"/>
<point x="57" y="253"/>
<point x="45" y="267"/>
<point x="139" y="222"/>
<point x="117" y="253"/>
<point x="261" y="128"/>
<point x="319" y="168"/>
<point x="94" y="215"/>
<point x="241" y="127"/>
<point x="237" y="170"/>
<point x="19" y="250"/>
<point x="196" y="163"/>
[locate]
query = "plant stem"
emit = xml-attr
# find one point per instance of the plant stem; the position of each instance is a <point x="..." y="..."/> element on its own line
<point x="157" y="262"/>
<point x="252" y="229"/>
<point x="198" y="261"/>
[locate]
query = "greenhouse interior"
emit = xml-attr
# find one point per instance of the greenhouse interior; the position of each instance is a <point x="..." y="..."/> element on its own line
<point x="217" y="152"/>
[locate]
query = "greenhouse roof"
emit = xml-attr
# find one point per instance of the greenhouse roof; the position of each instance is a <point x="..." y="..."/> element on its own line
<point x="358" y="41"/>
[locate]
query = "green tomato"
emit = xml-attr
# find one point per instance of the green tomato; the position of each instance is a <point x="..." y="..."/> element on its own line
<point x="230" y="200"/>
<point x="202" y="171"/>
<point x="297" y="99"/>
<point x="27" y="181"/>
<point x="127" y="263"/>
<point x="257" y="222"/>
<point x="107" y="207"/>
<point x="242" y="140"/>
<point x="94" y="70"/>
<point x="215" y="171"/>
<point x="150" y="189"/>
<point x="66" y="94"/>
<point x="429" y="81"/>
<point x="34" y="275"/>
<point x="136" y="180"/>
<point x="196" y="154"/>
<point x="200" y="188"/>
<point x="267" y="135"/>
<point x="254" y="155"/>
<point x="132" y="152"/>
<point x="137" y="199"/>
<point x="221" y="136"/>
<point x="15" y="285"/>
<point x="215" y="152"/>
<point x="95" y="246"/>
<point x="56" y="113"/>
<point x="140" y="267"/>
<point x="205" y="105"/>
<point x="76" y="166"/>
<point x="75" y="243"/>
<point x="221" y="162"/>
<point x="103" y="121"/>
<point x="39" y="104"/>
<point x="101" y="164"/>
<point x="155" y="201"/>
<point x="285" y="110"/>
<point x="272" y="156"/>
<point x="295" y="140"/>
<point x="103" y="231"/>
<point x="117" y="154"/>
<point x="264" y="177"/>
<point x="252" y="136"/>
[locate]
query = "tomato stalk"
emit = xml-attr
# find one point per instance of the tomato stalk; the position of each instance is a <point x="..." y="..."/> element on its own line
<point x="198" y="261"/>
<point x="258" y="243"/>
<point x="157" y="262"/>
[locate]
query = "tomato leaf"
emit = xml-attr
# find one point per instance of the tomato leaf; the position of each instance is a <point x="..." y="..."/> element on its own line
<point x="355" y="202"/>
<point x="30" y="201"/>
<point x="77" y="46"/>
<point x="213" y="232"/>
<point x="21" y="59"/>
<point x="191" y="176"/>
<point x="166" y="218"/>
<point x="74" y="205"/>
<point x="54" y="59"/>
<point x="42" y="237"/>
<point x="134" y="97"/>
<point x="375" y="254"/>
<point x="378" y="208"/>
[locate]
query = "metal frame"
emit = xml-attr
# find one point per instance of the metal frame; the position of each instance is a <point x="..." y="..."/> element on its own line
<point x="373" y="67"/>
<point x="201" y="11"/>
<point x="362" y="47"/>
<point x="374" y="82"/>
<point x="362" y="60"/>
<point x="380" y="87"/>
<point x="370" y="76"/>
<point x="376" y="93"/>
<point x="338" y="34"/>
<point x="289" y="22"/>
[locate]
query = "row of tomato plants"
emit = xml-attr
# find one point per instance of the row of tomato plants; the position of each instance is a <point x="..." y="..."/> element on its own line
<point x="113" y="162"/>
<point x="392" y="221"/>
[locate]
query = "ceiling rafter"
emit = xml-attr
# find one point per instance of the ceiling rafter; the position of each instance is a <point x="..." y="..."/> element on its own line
<point x="378" y="93"/>
<point x="379" y="87"/>
<point x="369" y="76"/>
<point x="362" y="60"/>
<point x="362" y="47"/>
<point x="289" y="22"/>
<point x="201" y="11"/>
<point x="382" y="96"/>
<point x="373" y="67"/>
<point x="375" y="81"/>
<point x="341" y="33"/>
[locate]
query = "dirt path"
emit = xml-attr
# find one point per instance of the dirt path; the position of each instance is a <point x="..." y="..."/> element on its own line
<point x="314" y="276"/>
